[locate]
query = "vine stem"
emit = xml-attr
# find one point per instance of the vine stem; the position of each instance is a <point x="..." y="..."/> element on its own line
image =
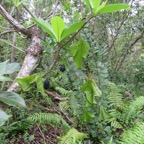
<point x="55" y="60"/>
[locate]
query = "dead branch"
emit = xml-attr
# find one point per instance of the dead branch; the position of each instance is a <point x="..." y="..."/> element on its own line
<point x="30" y="60"/>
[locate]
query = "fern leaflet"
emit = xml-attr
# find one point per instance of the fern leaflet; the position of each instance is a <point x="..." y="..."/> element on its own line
<point x="72" y="137"/>
<point x="48" y="118"/>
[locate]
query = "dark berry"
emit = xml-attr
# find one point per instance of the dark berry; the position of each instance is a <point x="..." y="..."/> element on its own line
<point x="46" y="84"/>
<point x="62" y="68"/>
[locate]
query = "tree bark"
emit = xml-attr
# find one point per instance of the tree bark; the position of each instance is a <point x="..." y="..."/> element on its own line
<point x="30" y="61"/>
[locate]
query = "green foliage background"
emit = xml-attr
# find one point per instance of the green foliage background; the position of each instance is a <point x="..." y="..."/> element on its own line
<point x="103" y="85"/>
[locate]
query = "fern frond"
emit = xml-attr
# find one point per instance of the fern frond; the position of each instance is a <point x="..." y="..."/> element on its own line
<point x="116" y="125"/>
<point x="133" y="109"/>
<point x="134" y="135"/>
<point x="114" y="116"/>
<point x="114" y="96"/>
<point x="48" y="118"/>
<point x="63" y="91"/>
<point x="72" y="137"/>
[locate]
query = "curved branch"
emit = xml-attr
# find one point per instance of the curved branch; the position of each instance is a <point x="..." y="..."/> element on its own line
<point x="7" y="31"/>
<point x="12" y="21"/>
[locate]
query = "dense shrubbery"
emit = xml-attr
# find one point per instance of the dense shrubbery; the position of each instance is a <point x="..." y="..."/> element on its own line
<point x="88" y="87"/>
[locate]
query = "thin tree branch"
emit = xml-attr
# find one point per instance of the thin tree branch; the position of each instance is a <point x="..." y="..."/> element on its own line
<point x="28" y="11"/>
<point x="12" y="21"/>
<point x="7" y="31"/>
<point x="13" y="45"/>
<point x="130" y="46"/>
<point x="50" y="13"/>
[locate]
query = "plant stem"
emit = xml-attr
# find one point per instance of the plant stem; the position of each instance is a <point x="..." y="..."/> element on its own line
<point x="55" y="60"/>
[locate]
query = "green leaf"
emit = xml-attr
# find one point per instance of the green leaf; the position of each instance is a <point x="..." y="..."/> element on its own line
<point x="72" y="29"/>
<point x="39" y="82"/>
<point x="103" y="114"/>
<point x="3" y="67"/>
<point x="26" y="82"/>
<point x="93" y="4"/>
<point x="91" y="91"/>
<point x="96" y="4"/>
<point x="4" y="78"/>
<point x="12" y="67"/>
<point x="3" y="117"/>
<point x="58" y="26"/>
<point x="12" y="99"/>
<point x="87" y="116"/>
<point x="46" y="27"/>
<point x="88" y="4"/>
<point x="7" y="69"/>
<point x="113" y="8"/>
<point x="100" y="7"/>
<point x="79" y="51"/>
<point x="72" y="137"/>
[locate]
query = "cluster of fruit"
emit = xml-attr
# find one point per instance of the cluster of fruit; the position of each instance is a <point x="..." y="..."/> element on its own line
<point x="47" y="82"/>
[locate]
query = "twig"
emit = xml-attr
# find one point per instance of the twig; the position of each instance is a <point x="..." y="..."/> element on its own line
<point x="7" y="31"/>
<point x="41" y="133"/>
<point x="13" y="45"/>
<point x="50" y="13"/>
<point x="14" y="22"/>
<point x="28" y="11"/>
<point x="55" y="95"/>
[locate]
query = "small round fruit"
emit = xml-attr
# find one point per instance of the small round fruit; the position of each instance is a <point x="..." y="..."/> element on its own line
<point x="46" y="84"/>
<point x="62" y="68"/>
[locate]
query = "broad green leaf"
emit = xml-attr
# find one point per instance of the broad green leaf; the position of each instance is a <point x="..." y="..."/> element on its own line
<point x="113" y="8"/>
<point x="46" y="27"/>
<point x="100" y="7"/>
<point x="6" y="68"/>
<point x="79" y="51"/>
<point x="96" y="4"/>
<point x="12" y="67"/>
<point x="3" y="67"/>
<point x="4" y="78"/>
<point x="93" y="4"/>
<point x="12" y="99"/>
<point x="87" y="116"/>
<point x="103" y="114"/>
<point x="58" y="26"/>
<point x="91" y="91"/>
<point x="26" y="82"/>
<point x="3" y="117"/>
<point x="39" y="82"/>
<point x="88" y="3"/>
<point x="72" y="29"/>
